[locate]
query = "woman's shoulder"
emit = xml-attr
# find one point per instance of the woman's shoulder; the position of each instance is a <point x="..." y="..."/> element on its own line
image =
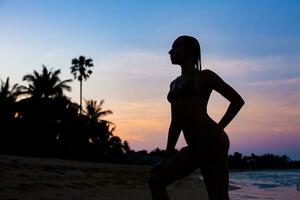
<point x="203" y="74"/>
<point x="206" y="74"/>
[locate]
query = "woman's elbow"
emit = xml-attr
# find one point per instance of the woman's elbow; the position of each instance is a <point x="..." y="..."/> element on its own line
<point x="239" y="102"/>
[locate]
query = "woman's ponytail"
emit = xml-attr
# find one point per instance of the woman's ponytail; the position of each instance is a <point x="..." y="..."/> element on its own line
<point x="199" y="60"/>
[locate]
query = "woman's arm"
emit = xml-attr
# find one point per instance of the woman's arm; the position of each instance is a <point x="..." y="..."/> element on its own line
<point x="174" y="129"/>
<point x="173" y="135"/>
<point x="236" y="101"/>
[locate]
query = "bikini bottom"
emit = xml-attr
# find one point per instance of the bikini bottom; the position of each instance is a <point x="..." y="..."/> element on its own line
<point x="207" y="146"/>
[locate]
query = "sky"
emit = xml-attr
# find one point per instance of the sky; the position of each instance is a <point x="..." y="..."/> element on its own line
<point x="253" y="45"/>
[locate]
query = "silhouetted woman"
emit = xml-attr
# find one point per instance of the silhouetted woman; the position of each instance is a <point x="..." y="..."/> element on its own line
<point x="207" y="143"/>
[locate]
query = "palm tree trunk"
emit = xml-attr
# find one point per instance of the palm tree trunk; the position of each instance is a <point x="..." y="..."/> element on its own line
<point x="80" y="96"/>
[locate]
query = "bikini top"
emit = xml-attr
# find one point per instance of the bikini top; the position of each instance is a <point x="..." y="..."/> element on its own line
<point x="182" y="86"/>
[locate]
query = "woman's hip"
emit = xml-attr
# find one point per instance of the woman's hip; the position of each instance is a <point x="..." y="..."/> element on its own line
<point x="208" y="144"/>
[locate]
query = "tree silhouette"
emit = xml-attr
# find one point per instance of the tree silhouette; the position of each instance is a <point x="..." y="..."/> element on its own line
<point x="47" y="84"/>
<point x="8" y="97"/>
<point x="42" y="109"/>
<point x="94" y="111"/>
<point x="80" y="70"/>
<point x="126" y="147"/>
<point x="99" y="131"/>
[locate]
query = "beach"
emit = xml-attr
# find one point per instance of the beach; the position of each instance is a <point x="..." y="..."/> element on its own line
<point x="33" y="178"/>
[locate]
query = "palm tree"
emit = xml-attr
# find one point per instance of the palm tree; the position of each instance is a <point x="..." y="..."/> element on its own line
<point x="7" y="93"/>
<point x="8" y="96"/>
<point x="45" y="85"/>
<point x="43" y="89"/>
<point x="100" y="131"/>
<point x="94" y="111"/>
<point x="42" y="110"/>
<point x="80" y="70"/>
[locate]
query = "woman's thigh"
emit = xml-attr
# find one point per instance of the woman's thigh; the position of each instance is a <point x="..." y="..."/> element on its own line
<point x="215" y="174"/>
<point x="180" y="165"/>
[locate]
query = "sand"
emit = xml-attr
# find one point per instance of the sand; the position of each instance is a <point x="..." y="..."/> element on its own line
<point x="23" y="178"/>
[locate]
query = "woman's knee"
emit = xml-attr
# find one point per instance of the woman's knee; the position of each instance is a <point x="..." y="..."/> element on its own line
<point x="161" y="177"/>
<point x="155" y="180"/>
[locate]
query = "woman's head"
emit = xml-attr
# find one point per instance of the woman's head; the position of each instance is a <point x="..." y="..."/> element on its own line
<point x="186" y="49"/>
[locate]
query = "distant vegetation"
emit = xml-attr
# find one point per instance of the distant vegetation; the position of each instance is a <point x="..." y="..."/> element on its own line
<point x="38" y="119"/>
<point x="265" y="161"/>
<point x="236" y="161"/>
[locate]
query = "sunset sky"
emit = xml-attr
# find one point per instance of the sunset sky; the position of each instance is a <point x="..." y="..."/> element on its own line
<point x="253" y="45"/>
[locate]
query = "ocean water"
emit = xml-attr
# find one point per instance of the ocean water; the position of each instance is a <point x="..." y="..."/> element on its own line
<point x="266" y="184"/>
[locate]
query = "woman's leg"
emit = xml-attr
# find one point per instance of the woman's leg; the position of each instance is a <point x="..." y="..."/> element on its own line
<point x="177" y="167"/>
<point x="215" y="174"/>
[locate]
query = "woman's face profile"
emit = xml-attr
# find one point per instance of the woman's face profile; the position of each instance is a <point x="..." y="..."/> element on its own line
<point x="178" y="52"/>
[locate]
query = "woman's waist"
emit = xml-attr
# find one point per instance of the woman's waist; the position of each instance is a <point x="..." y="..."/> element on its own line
<point x="191" y="118"/>
<point x="196" y="124"/>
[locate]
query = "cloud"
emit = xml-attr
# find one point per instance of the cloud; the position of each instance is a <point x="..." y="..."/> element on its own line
<point x="256" y="68"/>
<point x="290" y="82"/>
<point x="136" y="63"/>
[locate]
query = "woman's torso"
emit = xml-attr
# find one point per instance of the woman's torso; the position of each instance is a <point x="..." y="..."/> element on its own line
<point x="189" y="96"/>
